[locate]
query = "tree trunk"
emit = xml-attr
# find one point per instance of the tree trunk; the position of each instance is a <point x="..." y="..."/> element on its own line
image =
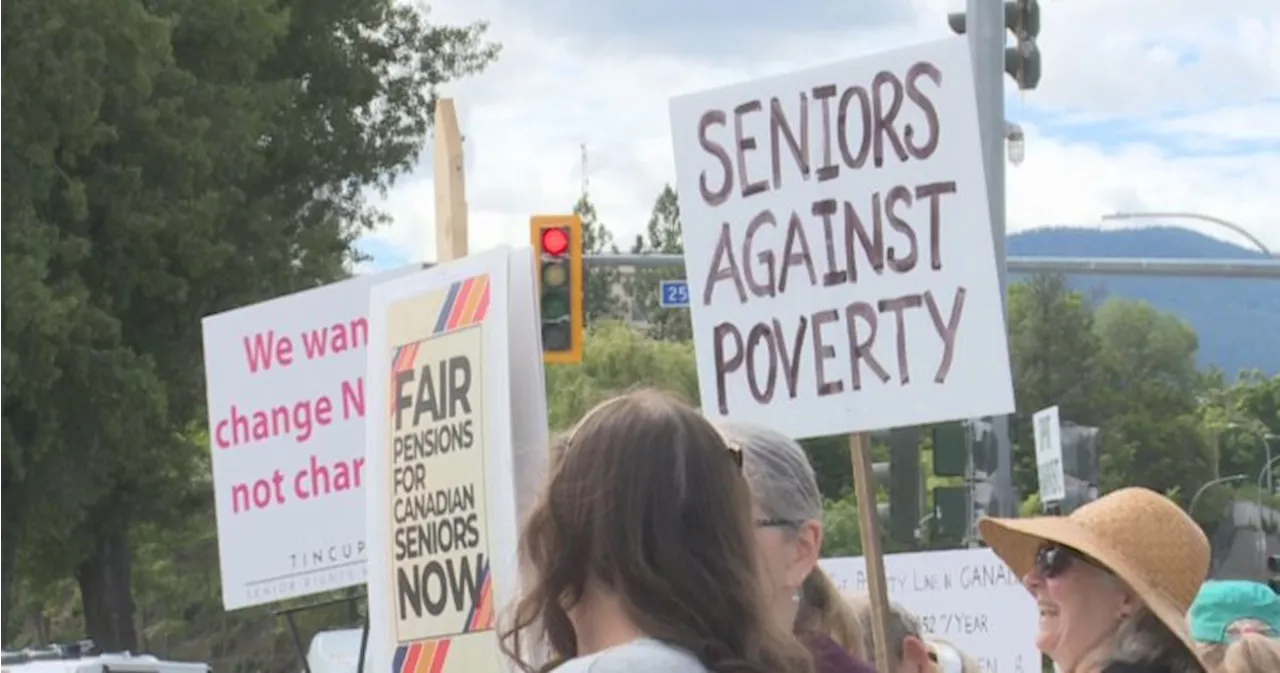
<point x="106" y="589"/>
<point x="8" y="571"/>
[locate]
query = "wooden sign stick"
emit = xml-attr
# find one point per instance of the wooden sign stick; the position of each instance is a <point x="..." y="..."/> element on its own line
<point x="450" y="184"/>
<point x="869" y="527"/>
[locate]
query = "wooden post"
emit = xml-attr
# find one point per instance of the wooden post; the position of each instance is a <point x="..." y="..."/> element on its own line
<point x="451" y="187"/>
<point x="869" y="527"/>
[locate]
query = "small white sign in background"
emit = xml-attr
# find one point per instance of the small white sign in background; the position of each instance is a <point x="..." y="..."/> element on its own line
<point x="967" y="597"/>
<point x="838" y="246"/>
<point x="1048" y="438"/>
<point x="285" y="383"/>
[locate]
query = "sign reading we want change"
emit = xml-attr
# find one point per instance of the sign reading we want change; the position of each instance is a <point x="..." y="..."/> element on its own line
<point x="838" y="246"/>
<point x="449" y="352"/>
<point x="287" y="398"/>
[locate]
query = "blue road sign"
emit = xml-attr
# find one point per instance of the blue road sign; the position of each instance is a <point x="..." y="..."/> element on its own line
<point x="674" y="294"/>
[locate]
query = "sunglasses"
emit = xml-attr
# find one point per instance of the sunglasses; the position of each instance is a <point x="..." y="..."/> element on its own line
<point x="1054" y="559"/>
<point x="779" y="523"/>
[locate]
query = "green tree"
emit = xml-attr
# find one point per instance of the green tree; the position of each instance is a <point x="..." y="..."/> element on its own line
<point x="1242" y="422"/>
<point x="1148" y="363"/>
<point x="163" y="162"/>
<point x="598" y="300"/>
<point x="616" y="358"/>
<point x="1055" y="360"/>
<point x="663" y="235"/>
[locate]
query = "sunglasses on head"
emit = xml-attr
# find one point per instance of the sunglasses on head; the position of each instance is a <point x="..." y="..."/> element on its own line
<point x="1243" y="627"/>
<point x="1054" y="559"/>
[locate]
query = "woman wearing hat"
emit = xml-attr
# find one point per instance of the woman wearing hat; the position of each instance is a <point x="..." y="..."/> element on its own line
<point x="1226" y="610"/>
<point x="1112" y="581"/>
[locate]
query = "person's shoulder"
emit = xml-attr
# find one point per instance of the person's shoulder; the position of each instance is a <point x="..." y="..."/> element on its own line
<point x="640" y="656"/>
<point x="830" y="657"/>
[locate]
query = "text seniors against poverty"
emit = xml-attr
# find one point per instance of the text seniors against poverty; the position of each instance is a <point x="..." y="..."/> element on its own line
<point x="831" y="188"/>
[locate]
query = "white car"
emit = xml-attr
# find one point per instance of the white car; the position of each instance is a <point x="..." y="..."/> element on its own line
<point x="67" y="659"/>
<point x="336" y="651"/>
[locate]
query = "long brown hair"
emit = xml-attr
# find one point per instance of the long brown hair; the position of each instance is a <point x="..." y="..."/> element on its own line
<point x="646" y="499"/>
<point x="824" y="610"/>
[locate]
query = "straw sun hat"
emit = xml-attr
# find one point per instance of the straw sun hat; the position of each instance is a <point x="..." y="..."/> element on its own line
<point x="1142" y="537"/>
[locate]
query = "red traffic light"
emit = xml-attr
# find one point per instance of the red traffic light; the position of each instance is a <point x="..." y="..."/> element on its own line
<point x="555" y="242"/>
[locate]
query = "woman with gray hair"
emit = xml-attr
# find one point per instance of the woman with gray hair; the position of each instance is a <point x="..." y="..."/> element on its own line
<point x="1112" y="581"/>
<point x="788" y="512"/>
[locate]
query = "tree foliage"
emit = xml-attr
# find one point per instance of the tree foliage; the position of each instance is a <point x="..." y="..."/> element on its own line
<point x="663" y="235"/>
<point x="163" y="161"/>
<point x="616" y="358"/>
<point x="599" y="299"/>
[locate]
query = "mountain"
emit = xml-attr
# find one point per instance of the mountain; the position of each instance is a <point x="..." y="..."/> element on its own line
<point x="1238" y="320"/>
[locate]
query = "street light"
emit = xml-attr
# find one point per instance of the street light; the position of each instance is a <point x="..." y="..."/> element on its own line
<point x="1191" y="507"/>
<point x="1226" y="224"/>
<point x="1263" y="436"/>
<point x="1265" y="471"/>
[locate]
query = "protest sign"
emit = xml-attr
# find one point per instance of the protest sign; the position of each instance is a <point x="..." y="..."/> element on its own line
<point x="441" y="462"/>
<point x="967" y="597"/>
<point x="838" y="246"/>
<point x="286" y="395"/>
<point x="1049" y="468"/>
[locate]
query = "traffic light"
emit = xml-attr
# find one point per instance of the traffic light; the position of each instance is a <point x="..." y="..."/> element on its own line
<point x="986" y="456"/>
<point x="1022" y="60"/>
<point x="950" y="450"/>
<point x="906" y="481"/>
<point x="951" y="511"/>
<point x="558" y="241"/>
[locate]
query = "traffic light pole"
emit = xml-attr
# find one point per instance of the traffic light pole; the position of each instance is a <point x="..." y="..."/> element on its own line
<point x="985" y="29"/>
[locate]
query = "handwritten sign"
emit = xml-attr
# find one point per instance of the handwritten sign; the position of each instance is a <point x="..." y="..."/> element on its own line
<point x="1048" y="439"/>
<point x="287" y="400"/>
<point x="674" y="294"/>
<point x="838" y="246"/>
<point x="968" y="597"/>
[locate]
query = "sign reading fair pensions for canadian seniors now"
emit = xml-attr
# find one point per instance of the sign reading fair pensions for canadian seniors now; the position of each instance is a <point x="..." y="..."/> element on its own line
<point x="442" y="497"/>
<point x="838" y="246"/>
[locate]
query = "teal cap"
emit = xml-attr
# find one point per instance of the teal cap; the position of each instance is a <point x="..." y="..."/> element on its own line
<point x="1222" y="603"/>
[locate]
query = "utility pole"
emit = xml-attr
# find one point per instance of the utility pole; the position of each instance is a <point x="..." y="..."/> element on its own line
<point x="984" y="22"/>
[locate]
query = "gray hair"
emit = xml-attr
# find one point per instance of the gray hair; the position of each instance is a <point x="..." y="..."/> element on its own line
<point x="778" y="473"/>
<point x="902" y="623"/>
<point x="1142" y="638"/>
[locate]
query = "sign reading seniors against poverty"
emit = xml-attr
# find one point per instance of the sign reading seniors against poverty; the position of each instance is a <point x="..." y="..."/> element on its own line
<point x="442" y="501"/>
<point x="286" y="426"/>
<point x="838" y="246"/>
<point x="967" y="597"/>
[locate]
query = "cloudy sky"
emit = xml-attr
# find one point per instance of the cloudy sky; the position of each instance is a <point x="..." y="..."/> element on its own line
<point x="1169" y="105"/>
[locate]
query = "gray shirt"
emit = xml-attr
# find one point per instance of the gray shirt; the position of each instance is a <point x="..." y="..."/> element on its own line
<point x="638" y="656"/>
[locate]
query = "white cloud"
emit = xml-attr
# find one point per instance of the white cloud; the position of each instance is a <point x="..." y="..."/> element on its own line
<point x="526" y="118"/>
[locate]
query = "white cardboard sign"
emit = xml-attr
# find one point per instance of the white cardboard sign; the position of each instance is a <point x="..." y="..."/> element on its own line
<point x="286" y="395"/>
<point x="1048" y="438"/>
<point x="449" y="348"/>
<point x="967" y="597"/>
<point x="838" y="246"/>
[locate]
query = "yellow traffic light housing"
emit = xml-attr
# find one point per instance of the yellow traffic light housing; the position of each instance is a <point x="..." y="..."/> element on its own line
<point x="557" y="239"/>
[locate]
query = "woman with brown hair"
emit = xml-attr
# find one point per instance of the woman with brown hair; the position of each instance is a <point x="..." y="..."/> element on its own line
<point x="640" y="554"/>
